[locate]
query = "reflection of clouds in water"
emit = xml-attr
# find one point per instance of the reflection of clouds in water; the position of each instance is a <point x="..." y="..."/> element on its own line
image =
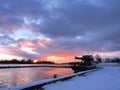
<point x="6" y="77"/>
<point x="23" y="76"/>
<point x="17" y="76"/>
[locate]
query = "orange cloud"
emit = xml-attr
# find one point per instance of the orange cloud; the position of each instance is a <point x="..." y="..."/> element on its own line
<point x="43" y="41"/>
<point x="60" y="58"/>
<point x="27" y="43"/>
<point x="38" y="42"/>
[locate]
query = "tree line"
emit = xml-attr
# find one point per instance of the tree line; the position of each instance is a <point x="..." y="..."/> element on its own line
<point x="24" y="61"/>
<point x="98" y="59"/>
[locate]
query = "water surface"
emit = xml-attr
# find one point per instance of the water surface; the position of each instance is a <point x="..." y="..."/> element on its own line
<point x="15" y="76"/>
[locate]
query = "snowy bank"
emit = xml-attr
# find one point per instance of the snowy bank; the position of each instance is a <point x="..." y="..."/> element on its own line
<point x="107" y="78"/>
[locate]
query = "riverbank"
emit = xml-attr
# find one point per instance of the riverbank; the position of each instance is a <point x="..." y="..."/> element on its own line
<point x="106" y="78"/>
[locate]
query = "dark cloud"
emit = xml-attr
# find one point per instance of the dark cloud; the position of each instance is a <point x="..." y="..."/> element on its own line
<point x="74" y="26"/>
<point x="79" y="18"/>
<point x="21" y="7"/>
<point x="12" y="13"/>
<point x="97" y="24"/>
<point x="5" y="39"/>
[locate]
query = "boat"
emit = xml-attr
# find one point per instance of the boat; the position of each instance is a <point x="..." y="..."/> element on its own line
<point x="86" y="63"/>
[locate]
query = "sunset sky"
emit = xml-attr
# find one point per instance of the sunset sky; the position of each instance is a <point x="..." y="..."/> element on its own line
<point x="58" y="30"/>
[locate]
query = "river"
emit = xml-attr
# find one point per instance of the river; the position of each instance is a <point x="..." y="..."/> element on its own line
<point x="15" y="76"/>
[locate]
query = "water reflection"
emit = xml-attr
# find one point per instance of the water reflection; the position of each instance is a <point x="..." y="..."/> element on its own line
<point x="16" y="76"/>
<point x="58" y="71"/>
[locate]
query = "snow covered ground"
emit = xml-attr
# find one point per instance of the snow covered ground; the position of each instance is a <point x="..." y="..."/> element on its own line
<point x="107" y="78"/>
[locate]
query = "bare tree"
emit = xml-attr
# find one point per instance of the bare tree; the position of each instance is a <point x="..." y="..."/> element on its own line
<point x="98" y="58"/>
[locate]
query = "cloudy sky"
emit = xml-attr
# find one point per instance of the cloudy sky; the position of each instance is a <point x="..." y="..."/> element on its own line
<point x="58" y="30"/>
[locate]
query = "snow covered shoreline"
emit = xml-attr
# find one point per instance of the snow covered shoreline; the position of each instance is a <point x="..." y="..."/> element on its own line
<point x="103" y="79"/>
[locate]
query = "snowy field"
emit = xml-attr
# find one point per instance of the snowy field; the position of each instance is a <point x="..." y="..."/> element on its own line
<point x="107" y="78"/>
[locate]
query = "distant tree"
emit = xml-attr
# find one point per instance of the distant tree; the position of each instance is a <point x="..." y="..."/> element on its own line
<point x="14" y="61"/>
<point x="98" y="58"/>
<point x="46" y="62"/>
<point x="23" y="61"/>
<point x="107" y="60"/>
<point x="116" y="60"/>
<point x="29" y="61"/>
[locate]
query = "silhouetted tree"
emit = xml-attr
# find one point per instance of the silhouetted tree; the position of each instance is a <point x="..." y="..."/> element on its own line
<point x="98" y="58"/>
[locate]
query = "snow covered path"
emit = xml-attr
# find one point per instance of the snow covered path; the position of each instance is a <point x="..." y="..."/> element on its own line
<point x="107" y="78"/>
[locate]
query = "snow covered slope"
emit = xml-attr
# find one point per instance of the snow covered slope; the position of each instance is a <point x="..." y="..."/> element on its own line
<point x="107" y="78"/>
